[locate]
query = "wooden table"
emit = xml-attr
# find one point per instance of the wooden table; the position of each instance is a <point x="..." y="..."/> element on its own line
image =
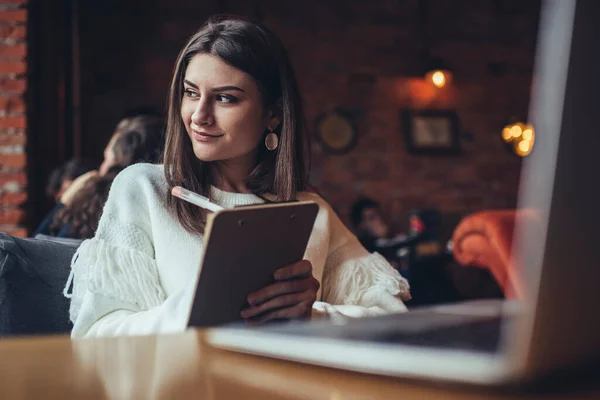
<point x="183" y="366"/>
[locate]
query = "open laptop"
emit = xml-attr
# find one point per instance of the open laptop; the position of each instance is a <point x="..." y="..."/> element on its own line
<point x="495" y="342"/>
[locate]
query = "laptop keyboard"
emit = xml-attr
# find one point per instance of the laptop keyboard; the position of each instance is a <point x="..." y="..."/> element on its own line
<point x="482" y="336"/>
<point x="424" y="329"/>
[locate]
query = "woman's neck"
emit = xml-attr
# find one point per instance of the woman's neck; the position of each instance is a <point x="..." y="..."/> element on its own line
<point x="232" y="175"/>
<point x="230" y="185"/>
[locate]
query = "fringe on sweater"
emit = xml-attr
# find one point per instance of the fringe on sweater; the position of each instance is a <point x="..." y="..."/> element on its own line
<point x="349" y="280"/>
<point x="123" y="273"/>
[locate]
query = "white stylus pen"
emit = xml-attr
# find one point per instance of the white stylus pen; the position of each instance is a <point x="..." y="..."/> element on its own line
<point x="195" y="199"/>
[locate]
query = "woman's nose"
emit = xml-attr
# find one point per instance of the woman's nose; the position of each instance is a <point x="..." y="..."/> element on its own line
<point x="203" y="114"/>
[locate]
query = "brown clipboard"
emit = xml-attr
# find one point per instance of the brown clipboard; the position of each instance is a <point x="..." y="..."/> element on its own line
<point x="243" y="248"/>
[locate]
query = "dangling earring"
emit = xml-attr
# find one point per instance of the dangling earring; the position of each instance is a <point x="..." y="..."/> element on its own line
<point x="271" y="140"/>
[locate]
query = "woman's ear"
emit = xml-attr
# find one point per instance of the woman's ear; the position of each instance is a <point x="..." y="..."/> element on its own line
<point x="275" y="116"/>
<point x="273" y="123"/>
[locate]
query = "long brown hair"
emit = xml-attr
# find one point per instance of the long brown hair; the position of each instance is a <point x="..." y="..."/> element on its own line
<point x="255" y="50"/>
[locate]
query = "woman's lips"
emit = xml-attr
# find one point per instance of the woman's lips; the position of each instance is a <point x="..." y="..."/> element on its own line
<point x="205" y="137"/>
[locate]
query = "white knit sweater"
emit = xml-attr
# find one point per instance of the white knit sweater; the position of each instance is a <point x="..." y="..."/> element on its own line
<point x="137" y="275"/>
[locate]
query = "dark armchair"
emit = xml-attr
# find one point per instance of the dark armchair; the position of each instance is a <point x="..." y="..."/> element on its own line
<point x="33" y="273"/>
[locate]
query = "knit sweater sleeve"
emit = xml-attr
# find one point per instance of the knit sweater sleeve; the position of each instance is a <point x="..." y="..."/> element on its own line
<point x="114" y="277"/>
<point x="357" y="283"/>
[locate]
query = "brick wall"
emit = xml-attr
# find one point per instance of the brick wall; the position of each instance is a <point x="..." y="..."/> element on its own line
<point x="13" y="160"/>
<point x="488" y="44"/>
<point x="333" y="43"/>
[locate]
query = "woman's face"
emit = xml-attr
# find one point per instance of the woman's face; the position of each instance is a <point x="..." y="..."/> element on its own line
<point x="222" y="111"/>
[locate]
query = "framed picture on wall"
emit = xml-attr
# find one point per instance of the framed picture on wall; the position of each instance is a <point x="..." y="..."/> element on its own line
<point x="431" y="131"/>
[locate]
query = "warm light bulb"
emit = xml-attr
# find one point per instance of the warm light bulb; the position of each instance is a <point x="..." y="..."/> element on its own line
<point x="520" y="136"/>
<point x="516" y="130"/>
<point x="506" y="134"/>
<point x="524" y="148"/>
<point x="524" y="145"/>
<point x="439" y="79"/>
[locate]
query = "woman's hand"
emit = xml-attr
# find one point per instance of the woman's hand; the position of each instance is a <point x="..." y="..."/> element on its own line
<point x="78" y="184"/>
<point x="291" y="296"/>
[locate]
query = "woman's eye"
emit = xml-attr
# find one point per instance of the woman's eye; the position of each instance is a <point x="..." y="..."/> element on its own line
<point x="226" y="98"/>
<point x="190" y="93"/>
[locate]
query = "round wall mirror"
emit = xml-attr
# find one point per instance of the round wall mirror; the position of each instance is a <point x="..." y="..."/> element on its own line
<point x="336" y="132"/>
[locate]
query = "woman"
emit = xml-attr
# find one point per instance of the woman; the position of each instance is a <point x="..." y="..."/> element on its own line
<point x="234" y="133"/>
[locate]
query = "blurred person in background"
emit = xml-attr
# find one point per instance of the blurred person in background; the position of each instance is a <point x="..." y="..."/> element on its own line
<point x="62" y="177"/>
<point x="378" y="236"/>
<point x="136" y="139"/>
<point x="80" y="219"/>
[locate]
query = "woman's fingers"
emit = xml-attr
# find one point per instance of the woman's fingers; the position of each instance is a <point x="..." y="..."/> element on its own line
<point x="279" y="288"/>
<point x="280" y="302"/>
<point x="300" y="269"/>
<point x="291" y="296"/>
<point x="300" y="310"/>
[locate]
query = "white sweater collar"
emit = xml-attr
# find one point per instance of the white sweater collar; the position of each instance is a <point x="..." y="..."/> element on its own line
<point x="233" y="199"/>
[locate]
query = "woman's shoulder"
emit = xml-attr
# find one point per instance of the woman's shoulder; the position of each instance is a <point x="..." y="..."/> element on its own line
<point x="142" y="174"/>
<point x="141" y="180"/>
<point x="328" y="219"/>
<point x="314" y="196"/>
<point x="326" y="212"/>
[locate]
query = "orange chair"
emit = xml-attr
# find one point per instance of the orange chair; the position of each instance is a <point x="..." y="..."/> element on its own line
<point x="484" y="240"/>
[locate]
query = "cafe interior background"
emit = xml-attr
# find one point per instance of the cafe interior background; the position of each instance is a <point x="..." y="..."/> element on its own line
<point x="420" y="105"/>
